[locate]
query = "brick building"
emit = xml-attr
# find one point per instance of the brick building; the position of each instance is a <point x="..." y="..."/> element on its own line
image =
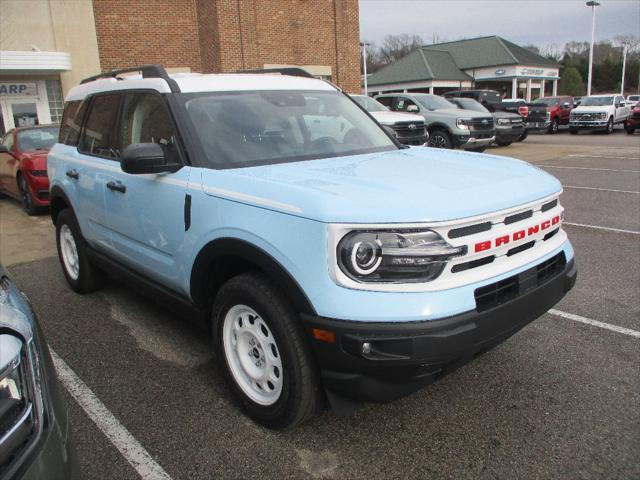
<point x="48" y="46"/>
<point x="229" y="35"/>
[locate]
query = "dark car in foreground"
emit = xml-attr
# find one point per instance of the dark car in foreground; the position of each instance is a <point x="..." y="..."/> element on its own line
<point x="509" y="126"/>
<point x="34" y="424"/>
<point x="23" y="165"/>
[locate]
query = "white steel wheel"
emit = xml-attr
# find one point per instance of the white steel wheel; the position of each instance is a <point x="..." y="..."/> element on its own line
<point x="252" y="354"/>
<point x="69" y="252"/>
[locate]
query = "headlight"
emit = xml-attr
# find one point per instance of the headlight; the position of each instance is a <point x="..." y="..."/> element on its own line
<point x="18" y="403"/>
<point x="504" y="121"/>
<point x="402" y="256"/>
<point x="462" y="123"/>
<point x="602" y="115"/>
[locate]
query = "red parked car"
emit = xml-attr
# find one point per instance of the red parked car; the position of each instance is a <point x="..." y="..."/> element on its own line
<point x="559" y="109"/>
<point x="23" y="165"/>
<point x="633" y="122"/>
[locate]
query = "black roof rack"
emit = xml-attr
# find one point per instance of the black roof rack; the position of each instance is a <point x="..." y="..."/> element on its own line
<point x="148" y="71"/>
<point x="292" y="71"/>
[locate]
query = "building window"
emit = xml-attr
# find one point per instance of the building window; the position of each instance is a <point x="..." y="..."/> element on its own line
<point x="56" y="105"/>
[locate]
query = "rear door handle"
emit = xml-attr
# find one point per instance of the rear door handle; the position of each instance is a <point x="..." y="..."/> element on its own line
<point x="116" y="186"/>
<point x="73" y="174"/>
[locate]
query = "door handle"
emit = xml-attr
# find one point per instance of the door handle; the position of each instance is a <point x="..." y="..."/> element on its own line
<point x="116" y="186"/>
<point x="73" y="174"/>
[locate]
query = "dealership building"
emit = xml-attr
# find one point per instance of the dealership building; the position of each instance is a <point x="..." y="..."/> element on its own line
<point x="48" y="46"/>
<point x="486" y="62"/>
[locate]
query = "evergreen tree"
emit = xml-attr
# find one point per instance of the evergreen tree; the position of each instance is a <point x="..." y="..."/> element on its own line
<point x="571" y="83"/>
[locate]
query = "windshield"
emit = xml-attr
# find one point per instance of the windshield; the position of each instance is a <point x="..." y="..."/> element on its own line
<point x="596" y="101"/>
<point x="369" y="104"/>
<point x="433" y="102"/>
<point x="633" y="98"/>
<point x="469" y="104"/>
<point x="37" y="138"/>
<point x="548" y="101"/>
<point x="241" y="129"/>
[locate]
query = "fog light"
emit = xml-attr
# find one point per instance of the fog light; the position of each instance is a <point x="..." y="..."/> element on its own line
<point x="366" y="348"/>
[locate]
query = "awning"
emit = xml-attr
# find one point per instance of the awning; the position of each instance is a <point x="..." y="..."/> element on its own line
<point x="27" y="62"/>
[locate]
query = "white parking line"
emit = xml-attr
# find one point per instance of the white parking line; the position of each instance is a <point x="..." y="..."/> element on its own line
<point x="610" y="229"/>
<point x="602" y="156"/>
<point x="587" y="168"/>
<point x="601" y="189"/>
<point x="595" y="323"/>
<point x="117" y="434"/>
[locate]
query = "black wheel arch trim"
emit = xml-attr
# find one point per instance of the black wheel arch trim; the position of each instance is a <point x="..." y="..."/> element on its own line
<point x="57" y="192"/>
<point x="219" y="249"/>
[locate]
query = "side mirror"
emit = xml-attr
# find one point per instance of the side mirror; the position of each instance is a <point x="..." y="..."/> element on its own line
<point x="412" y="109"/>
<point x="146" y="158"/>
<point x="3" y="149"/>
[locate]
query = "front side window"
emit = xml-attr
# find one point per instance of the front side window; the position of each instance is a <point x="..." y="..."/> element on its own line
<point x="146" y="119"/>
<point x="99" y="136"/>
<point x="240" y="129"/>
<point x="37" y="138"/>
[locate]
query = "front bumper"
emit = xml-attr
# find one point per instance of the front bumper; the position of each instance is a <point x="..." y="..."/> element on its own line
<point x="509" y="134"/>
<point x="588" y="124"/>
<point x="39" y="186"/>
<point x="470" y="141"/>
<point x="532" y="126"/>
<point x="405" y="356"/>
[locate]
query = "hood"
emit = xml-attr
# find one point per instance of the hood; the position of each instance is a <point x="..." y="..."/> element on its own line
<point x="390" y="118"/>
<point x="460" y="113"/>
<point x="583" y="109"/>
<point x="418" y="184"/>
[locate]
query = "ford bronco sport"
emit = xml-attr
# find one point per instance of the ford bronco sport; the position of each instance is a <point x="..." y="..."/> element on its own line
<point x="328" y="260"/>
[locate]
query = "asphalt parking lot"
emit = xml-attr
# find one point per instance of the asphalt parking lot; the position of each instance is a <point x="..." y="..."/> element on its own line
<point x="561" y="399"/>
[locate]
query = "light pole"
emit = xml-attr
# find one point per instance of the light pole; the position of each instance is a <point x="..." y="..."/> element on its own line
<point x="624" y="64"/>
<point x="364" y="62"/>
<point x="593" y="6"/>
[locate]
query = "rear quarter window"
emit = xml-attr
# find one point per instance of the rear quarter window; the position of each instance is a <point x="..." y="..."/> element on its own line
<point x="69" y="124"/>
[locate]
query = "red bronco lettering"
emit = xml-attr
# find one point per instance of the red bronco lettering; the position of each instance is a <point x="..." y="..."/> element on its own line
<point x="517" y="235"/>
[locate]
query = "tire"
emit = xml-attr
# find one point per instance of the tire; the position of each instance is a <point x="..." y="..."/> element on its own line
<point x="554" y="126"/>
<point x="82" y="276"/>
<point x="573" y="131"/>
<point x="627" y="128"/>
<point x="25" y="196"/>
<point x="524" y="135"/>
<point x="503" y="144"/>
<point x="609" y="129"/>
<point x="439" y="139"/>
<point x="252" y="317"/>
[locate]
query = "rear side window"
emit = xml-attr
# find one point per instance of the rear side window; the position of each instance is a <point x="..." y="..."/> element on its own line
<point x="71" y="123"/>
<point x="146" y="119"/>
<point x="99" y="135"/>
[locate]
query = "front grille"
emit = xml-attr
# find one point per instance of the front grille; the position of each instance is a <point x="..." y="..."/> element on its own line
<point x="498" y="293"/>
<point x="518" y="216"/>
<point x="43" y="194"/>
<point x="409" y="128"/>
<point x="587" y="116"/>
<point x="470" y="230"/>
<point x="521" y="248"/>
<point x="461" y="267"/>
<point x="480" y="123"/>
<point x="549" y="205"/>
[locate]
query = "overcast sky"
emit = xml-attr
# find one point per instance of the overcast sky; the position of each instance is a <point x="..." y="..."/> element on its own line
<point x="538" y="22"/>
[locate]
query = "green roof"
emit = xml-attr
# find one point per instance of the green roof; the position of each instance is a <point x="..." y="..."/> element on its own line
<point x="419" y="65"/>
<point x="490" y="52"/>
<point x="446" y="61"/>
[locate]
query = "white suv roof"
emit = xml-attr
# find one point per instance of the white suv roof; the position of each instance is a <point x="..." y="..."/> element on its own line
<point x="197" y="82"/>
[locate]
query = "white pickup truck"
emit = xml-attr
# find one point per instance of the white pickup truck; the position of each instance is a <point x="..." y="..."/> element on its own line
<point x="599" y="112"/>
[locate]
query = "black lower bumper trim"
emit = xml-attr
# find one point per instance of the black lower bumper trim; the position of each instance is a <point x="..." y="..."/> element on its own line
<point x="405" y="356"/>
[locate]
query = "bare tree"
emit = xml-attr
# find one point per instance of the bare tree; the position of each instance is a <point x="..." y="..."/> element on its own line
<point x="631" y="41"/>
<point x="395" y="47"/>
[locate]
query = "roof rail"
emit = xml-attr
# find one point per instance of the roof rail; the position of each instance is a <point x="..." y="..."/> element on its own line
<point x="148" y="71"/>
<point x="293" y="71"/>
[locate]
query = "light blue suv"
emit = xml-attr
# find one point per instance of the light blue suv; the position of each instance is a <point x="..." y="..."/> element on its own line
<point x="327" y="260"/>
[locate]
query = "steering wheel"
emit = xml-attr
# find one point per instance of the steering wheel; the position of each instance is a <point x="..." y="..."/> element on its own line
<point x="324" y="143"/>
